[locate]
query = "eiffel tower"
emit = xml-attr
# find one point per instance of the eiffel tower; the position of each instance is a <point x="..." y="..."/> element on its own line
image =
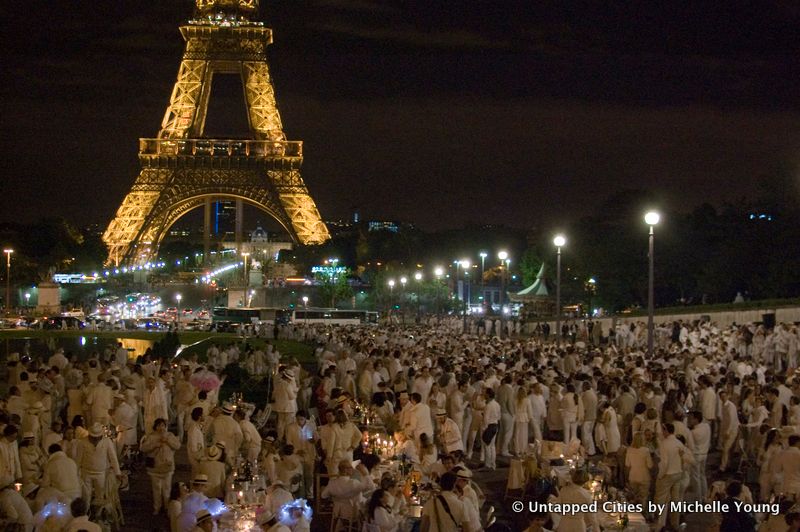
<point x="182" y="170"/>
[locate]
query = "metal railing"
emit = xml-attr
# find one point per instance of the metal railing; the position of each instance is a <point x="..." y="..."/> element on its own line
<point x="221" y="148"/>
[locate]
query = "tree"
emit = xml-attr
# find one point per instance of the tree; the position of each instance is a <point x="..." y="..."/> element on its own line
<point x="529" y="265"/>
<point x="333" y="285"/>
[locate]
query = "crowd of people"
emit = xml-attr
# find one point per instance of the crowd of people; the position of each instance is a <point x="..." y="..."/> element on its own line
<point x="450" y="401"/>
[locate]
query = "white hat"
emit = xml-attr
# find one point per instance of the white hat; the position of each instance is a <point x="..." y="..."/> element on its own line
<point x="266" y="517"/>
<point x="464" y="473"/>
<point x="200" y="479"/>
<point x="96" y="430"/>
<point x="202" y="515"/>
<point x="213" y="452"/>
<point x="441" y="412"/>
<point x="29" y="488"/>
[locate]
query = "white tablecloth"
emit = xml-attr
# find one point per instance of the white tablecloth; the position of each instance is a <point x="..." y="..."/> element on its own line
<point x="636" y="522"/>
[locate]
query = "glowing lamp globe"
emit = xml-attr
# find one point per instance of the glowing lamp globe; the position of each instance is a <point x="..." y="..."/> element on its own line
<point x="559" y="241"/>
<point x="652" y="218"/>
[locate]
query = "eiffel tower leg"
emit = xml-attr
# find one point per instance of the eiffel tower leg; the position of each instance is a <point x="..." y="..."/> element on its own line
<point x="299" y="206"/>
<point x="186" y="112"/>
<point x="262" y="111"/>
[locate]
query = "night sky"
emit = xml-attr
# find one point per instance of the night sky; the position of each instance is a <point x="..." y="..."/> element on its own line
<point x="440" y="113"/>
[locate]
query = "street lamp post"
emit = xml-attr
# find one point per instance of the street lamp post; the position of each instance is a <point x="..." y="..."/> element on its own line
<point x="483" y="256"/>
<point x="503" y="256"/>
<point x="246" y="280"/>
<point x="559" y="242"/>
<point x="178" y="298"/>
<point x="305" y="307"/>
<point x="403" y="281"/>
<point x="8" y="253"/>
<point x="418" y="278"/>
<point x="439" y="271"/>
<point x="651" y="218"/>
<point x="465" y="264"/>
<point x="27" y="300"/>
<point x="391" y="299"/>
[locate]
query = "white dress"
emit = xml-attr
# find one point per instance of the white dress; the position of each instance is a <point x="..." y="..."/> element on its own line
<point x="612" y="430"/>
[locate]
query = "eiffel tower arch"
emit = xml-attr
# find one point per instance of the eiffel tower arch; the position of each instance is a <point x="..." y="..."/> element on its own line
<point x="182" y="170"/>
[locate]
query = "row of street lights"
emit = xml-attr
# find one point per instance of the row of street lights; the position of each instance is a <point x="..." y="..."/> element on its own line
<point x="651" y="218"/>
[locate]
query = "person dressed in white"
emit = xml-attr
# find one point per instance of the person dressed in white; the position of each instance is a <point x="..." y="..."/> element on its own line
<point x="379" y="513"/>
<point x="538" y="409"/>
<point x="195" y="439"/>
<point x="285" y="404"/>
<point x="589" y="401"/>
<point x="569" y="414"/>
<point x="14" y="508"/>
<point x="638" y="464"/>
<point x="160" y="446"/>
<point x="787" y="463"/>
<point x="100" y="399"/>
<point x="491" y="423"/>
<point x="670" y="474"/>
<point x="419" y="418"/>
<point x="523" y="416"/>
<point x="610" y="430"/>
<point x="701" y="434"/>
<point x="125" y="419"/>
<point x="154" y="403"/>
<point x="96" y="456"/>
<point x="448" y="433"/>
<point x="347" y="490"/>
<point x="251" y="439"/>
<point x="575" y="494"/>
<point x="446" y="512"/>
<point x="728" y="427"/>
<point x="61" y="472"/>
<point x="343" y="440"/>
<point x="225" y="430"/>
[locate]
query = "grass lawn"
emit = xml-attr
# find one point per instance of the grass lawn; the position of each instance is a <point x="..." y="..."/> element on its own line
<point x="197" y="341"/>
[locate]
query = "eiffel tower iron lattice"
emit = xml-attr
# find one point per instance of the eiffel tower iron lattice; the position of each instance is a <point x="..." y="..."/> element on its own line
<point x="181" y="170"/>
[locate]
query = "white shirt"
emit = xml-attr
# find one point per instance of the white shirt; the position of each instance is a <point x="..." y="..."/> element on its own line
<point x="491" y="414"/>
<point x="670" y="452"/>
<point x="61" y="472"/>
<point x="701" y="434"/>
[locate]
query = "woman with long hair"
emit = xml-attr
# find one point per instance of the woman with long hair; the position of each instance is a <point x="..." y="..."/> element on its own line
<point x="638" y="465"/>
<point x="569" y="414"/>
<point x="427" y="453"/>
<point x="767" y="477"/>
<point x="523" y="416"/>
<point x="379" y="514"/>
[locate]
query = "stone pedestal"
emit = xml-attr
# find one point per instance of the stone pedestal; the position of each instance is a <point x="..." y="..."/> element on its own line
<point x="49" y="298"/>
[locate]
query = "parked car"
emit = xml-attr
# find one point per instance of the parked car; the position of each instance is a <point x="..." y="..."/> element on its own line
<point x="62" y="322"/>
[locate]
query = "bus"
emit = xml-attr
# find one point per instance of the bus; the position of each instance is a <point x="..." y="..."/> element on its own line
<point x="335" y="317"/>
<point x="241" y="315"/>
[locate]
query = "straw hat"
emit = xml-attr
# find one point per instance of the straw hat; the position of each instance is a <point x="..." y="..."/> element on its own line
<point x="266" y="517"/>
<point x="202" y="515"/>
<point x="96" y="430"/>
<point x="213" y="452"/>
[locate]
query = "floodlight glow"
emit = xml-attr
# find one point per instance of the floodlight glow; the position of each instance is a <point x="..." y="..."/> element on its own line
<point x="652" y="218"/>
